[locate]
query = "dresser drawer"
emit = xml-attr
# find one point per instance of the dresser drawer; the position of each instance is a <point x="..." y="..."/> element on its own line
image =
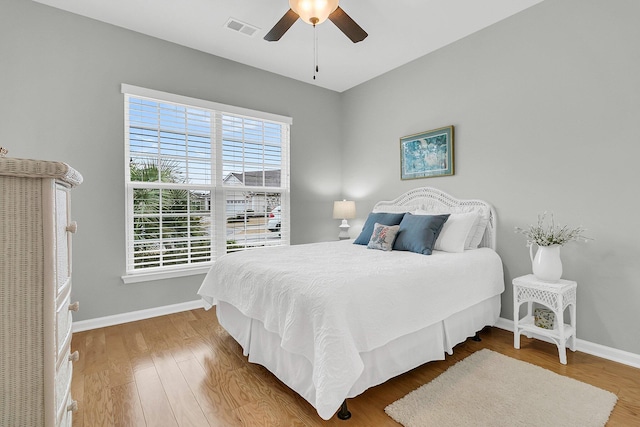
<point x="64" y="321"/>
<point x="67" y="419"/>
<point x="63" y="226"/>
<point x="65" y="413"/>
<point x="63" y="381"/>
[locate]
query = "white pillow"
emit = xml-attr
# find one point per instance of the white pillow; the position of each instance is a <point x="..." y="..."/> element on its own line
<point x="475" y="237"/>
<point x="456" y="231"/>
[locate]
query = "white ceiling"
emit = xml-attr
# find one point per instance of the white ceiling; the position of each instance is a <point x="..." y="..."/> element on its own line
<point x="399" y="31"/>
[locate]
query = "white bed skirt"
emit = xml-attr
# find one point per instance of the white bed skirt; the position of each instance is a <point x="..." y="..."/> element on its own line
<point x="396" y="357"/>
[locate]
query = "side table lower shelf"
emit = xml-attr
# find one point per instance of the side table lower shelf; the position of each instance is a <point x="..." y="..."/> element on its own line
<point x="527" y="326"/>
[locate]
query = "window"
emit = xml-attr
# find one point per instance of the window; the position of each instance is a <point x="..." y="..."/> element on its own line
<point x="202" y="179"/>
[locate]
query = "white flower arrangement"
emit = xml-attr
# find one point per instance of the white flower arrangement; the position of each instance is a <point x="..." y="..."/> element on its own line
<point x="552" y="234"/>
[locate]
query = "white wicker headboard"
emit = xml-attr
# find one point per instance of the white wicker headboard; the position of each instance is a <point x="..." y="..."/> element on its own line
<point x="434" y="200"/>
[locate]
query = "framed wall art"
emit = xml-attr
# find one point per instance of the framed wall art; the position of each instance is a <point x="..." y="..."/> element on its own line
<point x="427" y="154"/>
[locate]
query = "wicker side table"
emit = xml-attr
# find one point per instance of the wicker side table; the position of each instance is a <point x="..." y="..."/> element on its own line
<point x="557" y="297"/>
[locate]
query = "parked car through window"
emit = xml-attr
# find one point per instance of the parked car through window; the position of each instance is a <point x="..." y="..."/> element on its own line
<point x="274" y="219"/>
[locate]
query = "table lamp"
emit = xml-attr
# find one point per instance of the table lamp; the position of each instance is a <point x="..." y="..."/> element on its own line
<point x="344" y="210"/>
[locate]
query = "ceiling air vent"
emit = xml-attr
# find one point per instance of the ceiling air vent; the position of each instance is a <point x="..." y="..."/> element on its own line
<point x="241" y="27"/>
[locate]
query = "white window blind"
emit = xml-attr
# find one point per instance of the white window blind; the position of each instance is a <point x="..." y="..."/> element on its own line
<point x="201" y="181"/>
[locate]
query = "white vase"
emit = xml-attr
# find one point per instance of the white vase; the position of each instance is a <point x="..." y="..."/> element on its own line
<point x="546" y="265"/>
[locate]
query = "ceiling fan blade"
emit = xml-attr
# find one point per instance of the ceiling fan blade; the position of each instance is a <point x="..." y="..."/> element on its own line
<point x="347" y="25"/>
<point x="281" y="26"/>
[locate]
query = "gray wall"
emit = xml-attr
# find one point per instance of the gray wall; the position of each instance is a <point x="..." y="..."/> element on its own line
<point x="546" y="109"/>
<point x="60" y="99"/>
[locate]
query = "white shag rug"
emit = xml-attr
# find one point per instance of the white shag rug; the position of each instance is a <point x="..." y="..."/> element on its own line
<point x="490" y="389"/>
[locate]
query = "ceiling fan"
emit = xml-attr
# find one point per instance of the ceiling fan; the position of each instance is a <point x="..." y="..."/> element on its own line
<point x="316" y="12"/>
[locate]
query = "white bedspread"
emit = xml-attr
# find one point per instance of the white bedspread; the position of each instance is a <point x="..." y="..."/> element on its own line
<point x="330" y="301"/>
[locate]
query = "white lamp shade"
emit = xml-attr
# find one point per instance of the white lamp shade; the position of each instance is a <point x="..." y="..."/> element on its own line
<point x="313" y="11"/>
<point x="345" y="209"/>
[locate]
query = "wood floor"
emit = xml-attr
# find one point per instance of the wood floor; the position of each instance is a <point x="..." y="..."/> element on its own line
<point x="185" y="370"/>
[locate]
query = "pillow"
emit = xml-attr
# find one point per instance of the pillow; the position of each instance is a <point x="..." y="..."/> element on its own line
<point x="477" y="231"/>
<point x="383" y="218"/>
<point x="383" y="237"/>
<point x="456" y="232"/>
<point x="418" y="233"/>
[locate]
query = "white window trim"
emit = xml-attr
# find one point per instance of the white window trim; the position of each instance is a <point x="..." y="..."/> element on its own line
<point x="203" y="268"/>
<point x="195" y="102"/>
<point x="200" y="268"/>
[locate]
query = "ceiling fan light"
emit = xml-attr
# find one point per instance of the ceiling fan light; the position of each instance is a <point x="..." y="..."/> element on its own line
<point x="313" y="11"/>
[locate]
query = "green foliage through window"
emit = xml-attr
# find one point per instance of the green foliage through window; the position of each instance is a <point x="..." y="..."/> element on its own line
<point x="169" y="225"/>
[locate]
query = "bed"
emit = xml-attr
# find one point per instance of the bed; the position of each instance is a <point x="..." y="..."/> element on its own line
<point x="333" y="319"/>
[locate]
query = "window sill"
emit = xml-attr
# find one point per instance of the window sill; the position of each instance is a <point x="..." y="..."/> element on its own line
<point x="166" y="274"/>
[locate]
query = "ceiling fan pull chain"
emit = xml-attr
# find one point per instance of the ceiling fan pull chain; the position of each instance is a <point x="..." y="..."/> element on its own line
<point x="315" y="52"/>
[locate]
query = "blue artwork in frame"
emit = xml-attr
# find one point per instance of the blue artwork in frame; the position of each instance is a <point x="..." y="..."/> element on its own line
<point x="427" y="154"/>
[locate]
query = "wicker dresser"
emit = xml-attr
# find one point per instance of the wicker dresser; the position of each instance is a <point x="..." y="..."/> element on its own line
<point x="35" y="288"/>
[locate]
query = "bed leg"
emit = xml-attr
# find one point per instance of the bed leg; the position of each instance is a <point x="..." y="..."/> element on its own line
<point x="344" y="413"/>
<point x="476" y="337"/>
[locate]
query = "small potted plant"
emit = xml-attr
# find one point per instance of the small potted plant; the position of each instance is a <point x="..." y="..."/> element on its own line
<point x="546" y="264"/>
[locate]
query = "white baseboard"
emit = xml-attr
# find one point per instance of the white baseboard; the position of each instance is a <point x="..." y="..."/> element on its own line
<point x="609" y="353"/>
<point x="117" y="319"/>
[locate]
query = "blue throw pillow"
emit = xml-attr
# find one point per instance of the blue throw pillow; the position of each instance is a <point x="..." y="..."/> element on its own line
<point x="383" y="218"/>
<point x="418" y="233"/>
